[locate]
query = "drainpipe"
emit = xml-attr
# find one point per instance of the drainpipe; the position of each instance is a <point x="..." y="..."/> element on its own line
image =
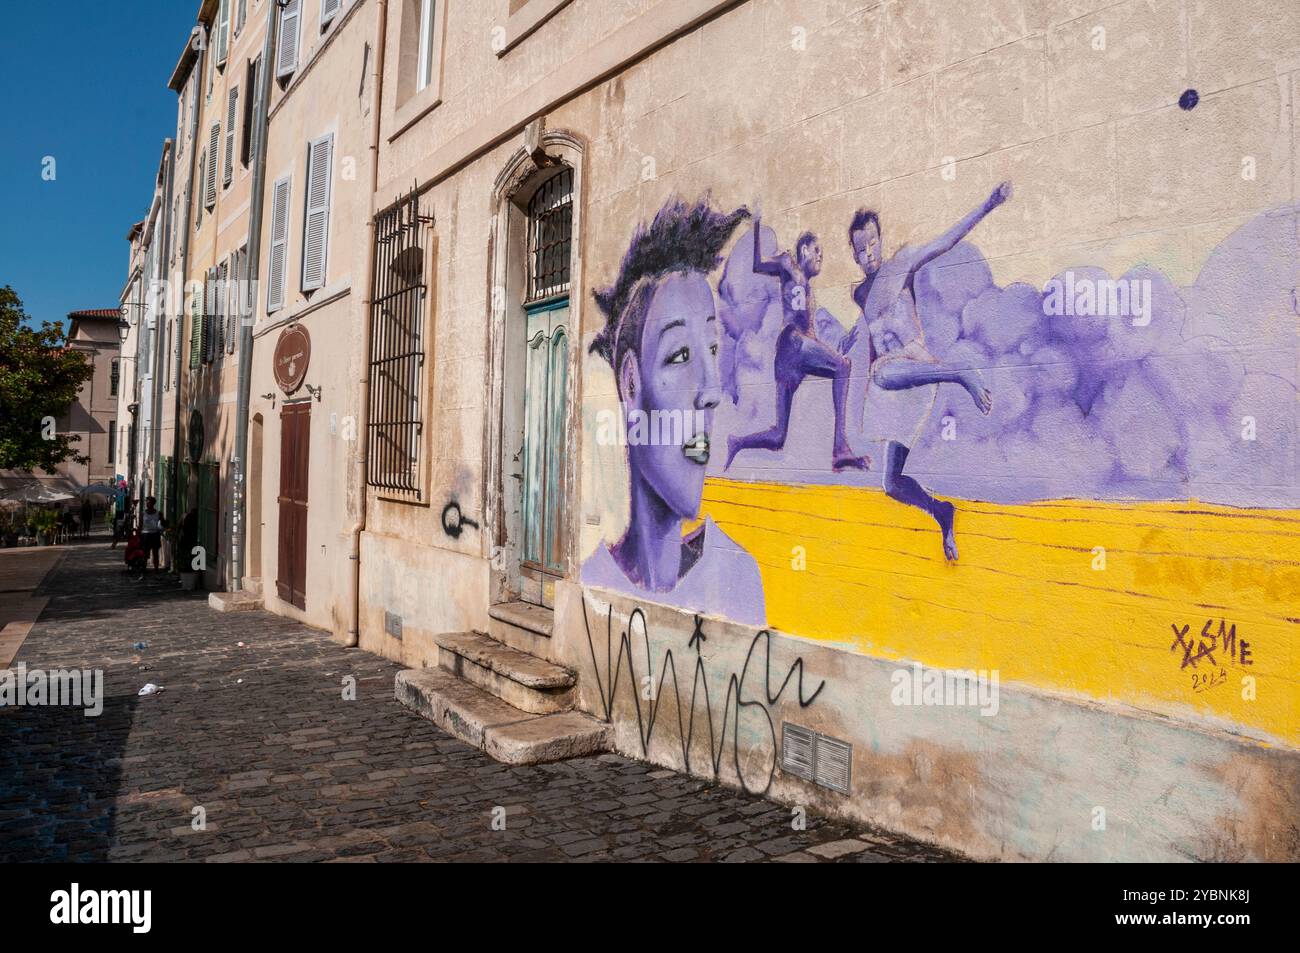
<point x="184" y="315"/>
<point x="363" y="403"/>
<point x="160" y="320"/>
<point x="239" y="533"/>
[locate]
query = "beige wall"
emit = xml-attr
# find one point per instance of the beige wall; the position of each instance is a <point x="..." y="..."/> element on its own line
<point x="916" y="109"/>
<point x="331" y="92"/>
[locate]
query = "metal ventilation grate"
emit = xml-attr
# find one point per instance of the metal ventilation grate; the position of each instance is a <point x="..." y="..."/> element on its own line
<point x="815" y="757"/>
<point x="832" y="763"/>
<point x="797" y="750"/>
<point x="393" y="624"/>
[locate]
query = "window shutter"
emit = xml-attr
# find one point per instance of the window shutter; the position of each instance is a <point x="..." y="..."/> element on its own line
<point x="231" y="113"/>
<point x="235" y="300"/>
<point x="241" y="15"/>
<point x="223" y="31"/>
<point x="209" y="309"/>
<point x="316" y="222"/>
<point x="279" y="245"/>
<point x="196" y="331"/>
<point x="290" y="16"/>
<point x="214" y="145"/>
<point x="203" y="175"/>
<point x="220" y="326"/>
<point x="327" y="10"/>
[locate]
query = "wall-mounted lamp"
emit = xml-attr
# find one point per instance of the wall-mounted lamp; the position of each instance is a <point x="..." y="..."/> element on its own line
<point x="271" y="398"/>
<point x="314" y="391"/>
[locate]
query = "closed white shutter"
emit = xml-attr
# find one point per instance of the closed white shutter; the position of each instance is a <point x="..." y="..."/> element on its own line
<point x="203" y="174"/>
<point x="231" y="112"/>
<point x="287" y="60"/>
<point x="316" y="223"/>
<point x="327" y="10"/>
<point x="209" y="314"/>
<point x="223" y="31"/>
<point x="279" y="245"/>
<point x="214" y="147"/>
<point x="235" y="300"/>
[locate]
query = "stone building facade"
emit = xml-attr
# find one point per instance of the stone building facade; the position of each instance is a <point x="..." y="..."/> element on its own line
<point x="885" y="405"/>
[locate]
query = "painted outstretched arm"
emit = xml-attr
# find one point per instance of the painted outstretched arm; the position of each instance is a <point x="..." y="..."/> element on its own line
<point x="949" y="239"/>
<point x="766" y="266"/>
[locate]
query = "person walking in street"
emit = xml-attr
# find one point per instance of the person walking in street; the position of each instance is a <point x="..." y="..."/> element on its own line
<point x="151" y="528"/>
<point x="122" y="525"/>
<point x="87" y="512"/>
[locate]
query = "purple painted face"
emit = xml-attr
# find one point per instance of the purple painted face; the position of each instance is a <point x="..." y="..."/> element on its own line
<point x="810" y="259"/>
<point x="866" y="248"/>
<point x="679" y="389"/>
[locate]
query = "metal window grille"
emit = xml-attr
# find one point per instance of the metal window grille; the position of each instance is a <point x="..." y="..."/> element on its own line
<point x="397" y="314"/>
<point x="116" y="377"/>
<point x="550" y="236"/>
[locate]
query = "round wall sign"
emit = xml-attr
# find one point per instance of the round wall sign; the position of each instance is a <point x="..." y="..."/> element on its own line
<point x="292" y="354"/>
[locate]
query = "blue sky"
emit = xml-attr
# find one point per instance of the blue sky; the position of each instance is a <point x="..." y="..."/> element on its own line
<point x="84" y="82"/>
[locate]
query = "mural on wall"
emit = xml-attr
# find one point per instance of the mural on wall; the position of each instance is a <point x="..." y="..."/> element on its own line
<point x="1140" y="455"/>
<point x="661" y="338"/>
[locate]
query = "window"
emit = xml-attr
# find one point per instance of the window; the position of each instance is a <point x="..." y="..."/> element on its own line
<point x="112" y="439"/>
<point x="114" y="376"/>
<point x="316" y="221"/>
<point x="290" y="22"/>
<point x="241" y="15"/>
<point x="550" y="237"/>
<point x="425" y="61"/>
<point x="328" y="9"/>
<point x="252" y="83"/>
<point x="231" y="111"/>
<point x="223" y="32"/>
<point x="220" y="311"/>
<point x="397" y="318"/>
<point x="279" y="251"/>
<point x="235" y="286"/>
<point x="210" y="184"/>
<point x="210" y="305"/>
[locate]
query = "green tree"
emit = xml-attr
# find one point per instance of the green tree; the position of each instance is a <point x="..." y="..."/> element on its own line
<point x="39" y="380"/>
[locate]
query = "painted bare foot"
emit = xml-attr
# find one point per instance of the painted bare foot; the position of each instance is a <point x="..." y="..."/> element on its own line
<point x="944" y="513"/>
<point x="846" y="459"/>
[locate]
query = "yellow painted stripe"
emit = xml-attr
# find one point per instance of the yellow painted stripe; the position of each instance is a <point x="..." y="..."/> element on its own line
<point x="1025" y="599"/>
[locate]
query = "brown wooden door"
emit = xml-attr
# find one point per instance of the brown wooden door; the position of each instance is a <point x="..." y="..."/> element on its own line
<point x="295" y="445"/>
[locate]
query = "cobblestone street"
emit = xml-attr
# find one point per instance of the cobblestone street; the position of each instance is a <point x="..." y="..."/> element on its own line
<point x="259" y="737"/>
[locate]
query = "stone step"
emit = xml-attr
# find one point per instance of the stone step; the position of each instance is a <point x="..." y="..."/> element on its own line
<point x="242" y="601"/>
<point x="525" y="681"/>
<point x="522" y="626"/>
<point x="501" y="730"/>
<point x="524" y="615"/>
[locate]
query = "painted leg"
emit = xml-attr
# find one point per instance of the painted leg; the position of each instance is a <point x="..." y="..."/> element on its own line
<point x="818" y="359"/>
<point x="773" y="438"/>
<point x="901" y="487"/>
<point x="901" y="373"/>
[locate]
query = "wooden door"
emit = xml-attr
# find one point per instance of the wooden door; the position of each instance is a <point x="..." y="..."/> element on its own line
<point x="295" y="445"/>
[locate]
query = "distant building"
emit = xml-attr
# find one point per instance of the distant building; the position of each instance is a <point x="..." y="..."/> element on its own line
<point x="93" y="416"/>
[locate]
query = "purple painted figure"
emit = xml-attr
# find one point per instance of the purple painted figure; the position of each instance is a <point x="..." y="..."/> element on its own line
<point x="661" y="338"/>
<point x="900" y="363"/>
<point x="799" y="352"/>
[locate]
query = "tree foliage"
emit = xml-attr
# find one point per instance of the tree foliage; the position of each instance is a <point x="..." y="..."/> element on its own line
<point x="40" y="377"/>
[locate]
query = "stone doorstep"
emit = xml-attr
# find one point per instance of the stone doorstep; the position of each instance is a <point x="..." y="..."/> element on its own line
<point x="525" y="681"/>
<point x="524" y="615"/>
<point x="242" y="601"/>
<point x="489" y="724"/>
<point x="527" y="670"/>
